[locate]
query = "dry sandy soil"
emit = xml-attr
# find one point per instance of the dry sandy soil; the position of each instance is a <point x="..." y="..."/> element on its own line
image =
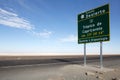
<point x="55" y="71"/>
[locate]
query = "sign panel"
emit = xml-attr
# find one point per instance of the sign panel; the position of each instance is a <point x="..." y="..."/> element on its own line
<point x="93" y="25"/>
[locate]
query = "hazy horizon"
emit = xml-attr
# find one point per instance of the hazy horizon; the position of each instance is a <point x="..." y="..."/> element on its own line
<point x="52" y="54"/>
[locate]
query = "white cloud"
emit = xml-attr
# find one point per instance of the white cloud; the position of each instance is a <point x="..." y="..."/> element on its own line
<point x="45" y="33"/>
<point x="70" y="38"/>
<point x="11" y="19"/>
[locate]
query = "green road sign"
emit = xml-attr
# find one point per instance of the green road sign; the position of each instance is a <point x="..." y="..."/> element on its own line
<point x="93" y="25"/>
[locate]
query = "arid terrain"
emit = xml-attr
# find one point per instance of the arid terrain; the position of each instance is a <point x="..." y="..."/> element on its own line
<point x="59" y="68"/>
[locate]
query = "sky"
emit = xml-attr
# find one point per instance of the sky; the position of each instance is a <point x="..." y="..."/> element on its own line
<point x="47" y="27"/>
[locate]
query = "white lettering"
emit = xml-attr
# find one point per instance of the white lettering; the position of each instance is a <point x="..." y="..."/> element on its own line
<point x="88" y="15"/>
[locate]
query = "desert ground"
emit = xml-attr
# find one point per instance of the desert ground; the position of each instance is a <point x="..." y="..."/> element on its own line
<point x="59" y="68"/>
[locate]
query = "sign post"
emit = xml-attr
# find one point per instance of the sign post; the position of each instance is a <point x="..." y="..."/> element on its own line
<point x="101" y="57"/>
<point x="93" y="26"/>
<point x="84" y="54"/>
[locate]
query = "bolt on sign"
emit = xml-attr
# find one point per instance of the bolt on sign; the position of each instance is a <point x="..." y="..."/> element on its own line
<point x="93" y="25"/>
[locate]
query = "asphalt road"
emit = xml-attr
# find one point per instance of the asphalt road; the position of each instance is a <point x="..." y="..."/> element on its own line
<point x="57" y="60"/>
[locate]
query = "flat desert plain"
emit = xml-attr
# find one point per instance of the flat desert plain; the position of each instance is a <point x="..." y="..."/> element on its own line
<point x="59" y="68"/>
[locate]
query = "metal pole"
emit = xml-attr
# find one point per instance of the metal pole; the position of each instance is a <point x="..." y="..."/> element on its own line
<point x="84" y="54"/>
<point x="101" y="57"/>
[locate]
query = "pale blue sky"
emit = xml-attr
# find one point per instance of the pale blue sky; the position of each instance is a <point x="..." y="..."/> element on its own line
<point x="38" y="26"/>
